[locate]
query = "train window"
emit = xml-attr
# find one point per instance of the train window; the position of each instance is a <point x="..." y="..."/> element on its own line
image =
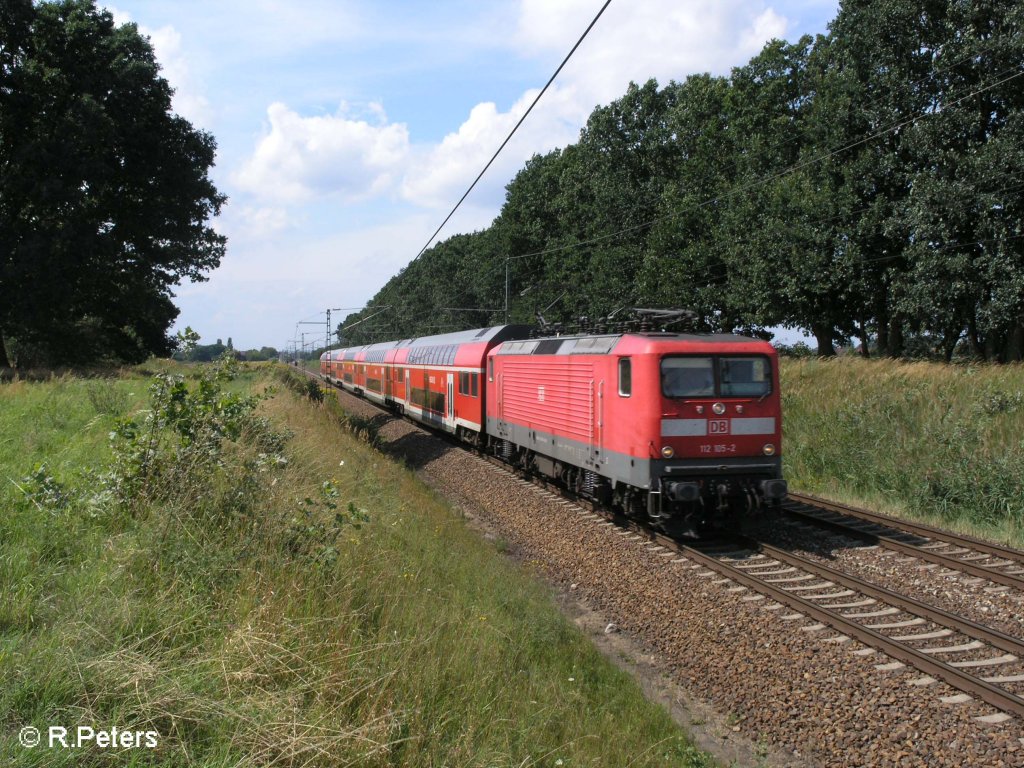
<point x="745" y="376"/>
<point x="474" y="385"/>
<point x="687" y="377"/>
<point x="490" y="369"/>
<point x="548" y="347"/>
<point x="625" y="377"/>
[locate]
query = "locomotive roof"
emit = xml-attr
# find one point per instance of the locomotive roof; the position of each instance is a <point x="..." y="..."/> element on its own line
<point x="375" y="352"/>
<point x="494" y="333"/>
<point x="590" y="344"/>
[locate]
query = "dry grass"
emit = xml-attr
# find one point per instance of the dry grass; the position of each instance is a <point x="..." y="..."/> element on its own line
<point x="937" y="442"/>
<point x="249" y="634"/>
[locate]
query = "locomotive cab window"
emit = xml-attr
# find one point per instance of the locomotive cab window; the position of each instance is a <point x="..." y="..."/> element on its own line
<point x="688" y="377"/>
<point x="744" y="376"/>
<point x="625" y="377"/>
<point x="720" y="376"/>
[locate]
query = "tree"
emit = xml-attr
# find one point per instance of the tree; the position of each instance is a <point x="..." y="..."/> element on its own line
<point x="965" y="213"/>
<point x="684" y="265"/>
<point x="791" y="255"/>
<point x="104" y="192"/>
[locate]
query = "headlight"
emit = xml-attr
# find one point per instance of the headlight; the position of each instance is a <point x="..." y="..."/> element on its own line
<point x="718" y="408"/>
<point x="668" y="451"/>
<point x="769" y="449"/>
<point x="739" y="409"/>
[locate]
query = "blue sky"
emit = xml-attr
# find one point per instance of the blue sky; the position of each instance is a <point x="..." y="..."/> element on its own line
<point x="347" y="129"/>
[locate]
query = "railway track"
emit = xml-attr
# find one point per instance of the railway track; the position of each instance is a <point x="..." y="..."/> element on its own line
<point x="981" y="661"/>
<point x="940" y="644"/>
<point x="979" y="559"/>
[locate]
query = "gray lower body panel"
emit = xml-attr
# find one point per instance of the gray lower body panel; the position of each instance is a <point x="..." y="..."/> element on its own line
<point x="634" y="471"/>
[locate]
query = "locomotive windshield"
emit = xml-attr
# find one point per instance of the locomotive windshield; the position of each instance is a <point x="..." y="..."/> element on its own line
<point x="687" y="376"/>
<point x="718" y="376"/>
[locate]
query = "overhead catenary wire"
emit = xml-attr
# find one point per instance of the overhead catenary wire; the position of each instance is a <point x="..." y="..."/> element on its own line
<point x="494" y="267"/>
<point x="508" y="138"/>
<point x="779" y="174"/>
<point x="897" y="125"/>
<point x="934" y="72"/>
<point x="784" y="172"/>
<point x="515" y="127"/>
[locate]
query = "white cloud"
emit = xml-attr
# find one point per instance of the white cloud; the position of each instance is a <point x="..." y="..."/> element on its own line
<point x="302" y="157"/>
<point x="319" y="213"/>
<point x="189" y="100"/>
<point x="261" y="222"/>
<point x="665" y="39"/>
<point x="765" y="27"/>
<point x="439" y="175"/>
<point x="299" y="158"/>
<point x="438" y="172"/>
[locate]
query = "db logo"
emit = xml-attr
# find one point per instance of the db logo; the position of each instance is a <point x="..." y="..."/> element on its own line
<point x="718" y="427"/>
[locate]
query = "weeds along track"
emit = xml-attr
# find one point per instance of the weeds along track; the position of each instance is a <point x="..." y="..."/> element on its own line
<point x="979" y="559"/>
<point x="980" y="661"/>
<point x="949" y="646"/>
<point x="801" y="652"/>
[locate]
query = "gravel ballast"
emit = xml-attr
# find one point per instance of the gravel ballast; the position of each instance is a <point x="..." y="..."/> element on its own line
<point x="766" y="672"/>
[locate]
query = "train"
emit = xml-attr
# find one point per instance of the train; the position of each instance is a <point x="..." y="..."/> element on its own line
<point x="682" y="429"/>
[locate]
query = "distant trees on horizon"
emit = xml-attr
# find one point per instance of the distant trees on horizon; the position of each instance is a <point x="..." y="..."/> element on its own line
<point x="105" y="196"/>
<point x="864" y="185"/>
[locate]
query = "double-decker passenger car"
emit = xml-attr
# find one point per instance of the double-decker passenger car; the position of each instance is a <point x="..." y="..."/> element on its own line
<point x="434" y="379"/>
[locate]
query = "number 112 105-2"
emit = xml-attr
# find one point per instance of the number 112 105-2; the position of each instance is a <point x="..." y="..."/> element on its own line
<point x="719" y="448"/>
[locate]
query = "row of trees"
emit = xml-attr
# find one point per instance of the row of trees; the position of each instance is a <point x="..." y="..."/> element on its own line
<point x="104" y="191"/>
<point x="204" y="353"/>
<point x="864" y="185"/>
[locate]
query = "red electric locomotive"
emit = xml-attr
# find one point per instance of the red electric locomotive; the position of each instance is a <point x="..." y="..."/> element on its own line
<point x="675" y="427"/>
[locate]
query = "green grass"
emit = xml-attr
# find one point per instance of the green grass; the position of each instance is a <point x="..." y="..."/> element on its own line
<point x="213" y="609"/>
<point x="936" y="442"/>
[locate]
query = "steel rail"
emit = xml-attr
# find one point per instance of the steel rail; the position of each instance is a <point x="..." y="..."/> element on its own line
<point x="963" y="681"/>
<point x="928" y="531"/>
<point x="990" y="573"/>
<point x="992" y="636"/>
<point x="992" y="694"/>
<point x="912" y="550"/>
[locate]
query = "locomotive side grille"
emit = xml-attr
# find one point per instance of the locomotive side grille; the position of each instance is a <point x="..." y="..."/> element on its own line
<point x="565" y="406"/>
